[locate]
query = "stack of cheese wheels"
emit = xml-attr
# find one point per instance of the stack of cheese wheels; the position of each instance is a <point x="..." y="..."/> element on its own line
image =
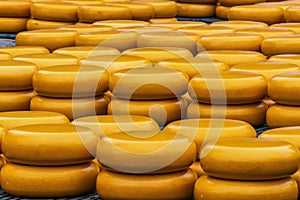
<point x="51" y="154"/>
<point x="143" y="164"/>
<point x="14" y="15"/>
<point x="206" y="129"/>
<point x="73" y="90"/>
<point x="236" y="166"/>
<point x="228" y="95"/>
<point x="16" y="84"/>
<point x="147" y="91"/>
<point x="196" y="8"/>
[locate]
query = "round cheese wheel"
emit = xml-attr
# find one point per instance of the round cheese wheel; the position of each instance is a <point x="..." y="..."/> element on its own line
<point x="236" y="87"/>
<point x="12" y="25"/>
<point x="93" y="13"/>
<point x="249" y="159"/>
<point x="87" y="28"/>
<point x="146" y="186"/>
<point x="240" y="24"/>
<point x="230" y="41"/>
<point x="104" y="125"/>
<point x="54" y="11"/>
<point x="141" y="152"/>
<point x="35" y="24"/>
<point x="162" y="111"/>
<point x="115" y="39"/>
<point x="147" y="83"/>
<point x="290" y="26"/>
<point x="196" y="167"/>
<point x="42" y="60"/>
<point x="122" y="23"/>
<point x="206" y="30"/>
<point x="208" y="187"/>
<point x="49" y="144"/>
<point x="5" y="56"/>
<point x="67" y="81"/>
<point x="254" y="114"/>
<point x="178" y="24"/>
<point x="289" y="58"/>
<point x="82" y="52"/>
<point x="39" y="182"/>
<point x="222" y="11"/>
<point x="268" y="69"/>
<point x="15" y="8"/>
<point x="267" y="32"/>
<point x="282" y="115"/>
<point x="20" y="50"/>
<point x="292" y="14"/>
<point x="162" y="20"/>
<point x="16" y="75"/>
<point x="72" y="108"/>
<point x="232" y="57"/>
<point x="84" y="2"/>
<point x="237" y="3"/>
<point x="17" y="100"/>
<point x="288" y="44"/>
<point x="195" y="10"/>
<point x="50" y="38"/>
<point x="162" y="8"/>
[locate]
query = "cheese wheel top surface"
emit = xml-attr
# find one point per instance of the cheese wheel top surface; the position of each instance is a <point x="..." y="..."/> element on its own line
<point x="21" y="8"/>
<point x="5" y="56"/>
<point x="122" y="23"/>
<point x="86" y="28"/>
<point x="19" y="50"/>
<point x="236" y="24"/>
<point x="291" y="26"/>
<point x="162" y="9"/>
<point x="178" y="24"/>
<point x="289" y="58"/>
<point x="207" y="30"/>
<point x="35" y="24"/>
<point x="267" y="32"/>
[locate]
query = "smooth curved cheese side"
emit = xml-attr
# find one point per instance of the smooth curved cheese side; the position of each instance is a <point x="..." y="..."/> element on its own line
<point x="290" y="26"/>
<point x="292" y="14"/>
<point x="35" y="24"/>
<point x="237" y="3"/>
<point x="195" y="10"/>
<point x="14" y="101"/>
<point x="12" y="25"/>
<point x="162" y="20"/>
<point x="222" y="11"/>
<point x="296" y="177"/>
<point x="38" y="182"/>
<point x="206" y="30"/>
<point x="199" y="1"/>
<point x="162" y="8"/>
<point x="196" y="167"/>
<point x="289" y="58"/>
<point x="240" y="24"/>
<point x="3" y="131"/>
<point x="267" y="32"/>
<point x="123" y="23"/>
<point x="282" y="115"/>
<point x="84" y="2"/>
<point x="288" y="45"/>
<point x="20" y="50"/>
<point x="87" y="28"/>
<point x="177" y="24"/>
<point x="15" y="8"/>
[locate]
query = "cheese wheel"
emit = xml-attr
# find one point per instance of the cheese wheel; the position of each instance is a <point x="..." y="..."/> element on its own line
<point x="39" y="182"/>
<point x="290" y="26"/>
<point x="230" y="41"/>
<point x="268" y="69"/>
<point x="14" y="119"/>
<point x="289" y="58"/>
<point x="222" y="11"/>
<point x="288" y="45"/>
<point x="87" y="28"/>
<point x="237" y="3"/>
<point x="5" y="56"/>
<point x="16" y="75"/>
<point x="211" y="188"/>
<point x="104" y="125"/>
<point x="249" y="159"/>
<point x="138" y="11"/>
<point x="232" y="57"/>
<point x="17" y="100"/>
<point x="282" y="115"/>
<point x="141" y="152"/>
<point x="157" y="54"/>
<point x="196" y="167"/>
<point x="82" y="52"/>
<point x="231" y="87"/>
<point x="50" y="38"/>
<point x="15" y="8"/>
<point x="69" y="144"/>
<point x="19" y="50"/>
<point x="115" y="39"/>
<point x="195" y="10"/>
<point x="114" y="63"/>
<point x="35" y="24"/>
<point x="84" y="2"/>
<point x="199" y="1"/>
<point x="267" y="32"/>
<point x="162" y="111"/>
<point x="292" y="14"/>
<point x="237" y="24"/>
<point x="147" y="83"/>
<point x="206" y="30"/>
<point x="254" y="114"/>
<point x="93" y="13"/>
<point x="162" y="8"/>
<point x="146" y="187"/>
<point x="68" y="81"/>
<point x="122" y="23"/>
<point x="42" y="60"/>
<point x="12" y="25"/>
<point x="3" y="131"/>
<point x="72" y="108"/>
<point x="178" y="24"/>
<point x="269" y="15"/>
<point x="162" y="20"/>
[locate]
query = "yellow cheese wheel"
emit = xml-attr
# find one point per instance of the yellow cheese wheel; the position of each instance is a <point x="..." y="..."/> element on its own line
<point x="16" y="75"/>
<point x="3" y="131"/>
<point x="50" y="38"/>
<point x="87" y="28"/>
<point x="199" y="1"/>
<point x="268" y="69"/>
<point x="82" y="52"/>
<point x="115" y="39"/>
<point x="138" y="11"/>
<point x="134" y="187"/>
<point x="289" y="58"/>
<point x="254" y="114"/>
<point x="147" y="83"/>
<point x="12" y="25"/>
<point x="114" y="63"/>
<point x="235" y="85"/>
<point x="195" y="10"/>
<point x="237" y="24"/>
<point x="84" y="2"/>
<point x="269" y="15"/>
<point x="162" y="20"/>
<point x="15" y="8"/>
<point x="267" y="32"/>
<point x="93" y="13"/>
<point x="249" y="159"/>
<point x="290" y="26"/>
<point x="17" y="100"/>
<point x="72" y="108"/>
<point x="35" y="24"/>
<point x="283" y="115"/>
<point x="292" y="14"/>
<point x="104" y="125"/>
<point x="237" y="3"/>
<point x="141" y="152"/>
<point x="178" y="24"/>
<point x="232" y="57"/>
<point x="49" y="144"/>
<point x="122" y="23"/>
<point x="296" y="177"/>
<point x="222" y="11"/>
<point x="4" y="55"/>
<point x="14" y="119"/>
<point x="196" y="167"/>
<point x="211" y="188"/>
<point x="162" y="111"/>
<point x="42" y="60"/>
<point x="206" y="30"/>
<point x="288" y="44"/>
<point x="157" y="54"/>
<point x="282" y="4"/>
<point x="230" y="41"/>
<point x="19" y="50"/>
<point x="39" y="182"/>
<point x="162" y="8"/>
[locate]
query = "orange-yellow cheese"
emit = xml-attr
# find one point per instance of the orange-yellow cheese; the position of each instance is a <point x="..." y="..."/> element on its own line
<point x="12" y="25"/>
<point x="84" y="2"/>
<point x="17" y="100"/>
<point x="206" y="30"/>
<point x="139" y="11"/>
<point x="178" y="24"/>
<point x="162" y="20"/>
<point x="289" y="58"/>
<point x="267" y="100"/>
<point x="162" y="8"/>
<point x="290" y="26"/>
<point x="15" y="8"/>
<point x="35" y="24"/>
<point x="240" y="24"/>
<point x="195" y="10"/>
<point x="281" y="45"/>
<point x="122" y="23"/>
<point x="3" y="131"/>
<point x="5" y="56"/>
<point x="199" y="1"/>
<point x="87" y="28"/>
<point x="292" y="14"/>
<point x="222" y="11"/>
<point x="196" y="167"/>
<point x="236" y="2"/>
<point x="19" y="50"/>
<point x="267" y="32"/>
<point x="283" y="115"/>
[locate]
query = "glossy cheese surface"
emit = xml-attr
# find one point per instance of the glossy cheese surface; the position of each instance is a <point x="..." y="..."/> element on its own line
<point x="249" y="159"/>
<point x="282" y="115"/>
<point x="292" y="14"/>
<point x="290" y="26"/>
<point x="267" y="32"/>
<point x="289" y="58"/>
<point x="35" y="24"/>
<point x="178" y="24"/>
<point x="15" y="8"/>
<point x="12" y="25"/>
<point x="237" y="3"/>
<point x="17" y="100"/>
<point x="87" y="28"/>
<point x="196" y="167"/>
<point x="195" y="10"/>
<point x="162" y="9"/>
<point x="162" y="20"/>
<point x="123" y="23"/>
<point x="3" y="131"/>
<point x="5" y="56"/>
<point x="240" y="24"/>
<point x="222" y="11"/>
<point x="19" y="50"/>
<point x="207" y="30"/>
<point x="288" y="44"/>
